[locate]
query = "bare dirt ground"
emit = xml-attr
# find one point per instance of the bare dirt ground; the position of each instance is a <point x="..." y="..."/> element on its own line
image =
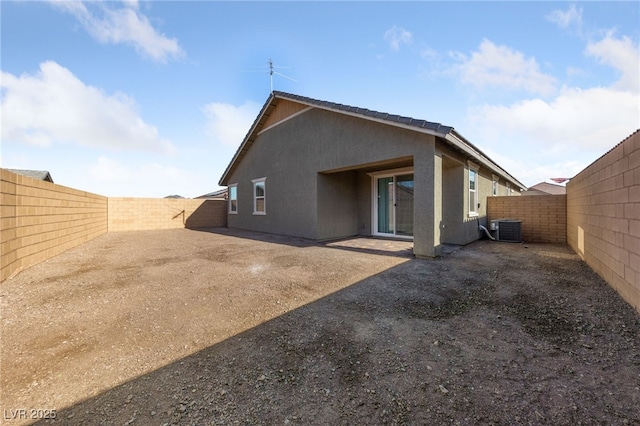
<point x="225" y="327"/>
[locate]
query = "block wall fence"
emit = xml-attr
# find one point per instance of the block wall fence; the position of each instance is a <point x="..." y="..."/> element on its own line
<point x="39" y="219"/>
<point x="544" y="217"/>
<point x="135" y="214"/>
<point x="603" y="217"/>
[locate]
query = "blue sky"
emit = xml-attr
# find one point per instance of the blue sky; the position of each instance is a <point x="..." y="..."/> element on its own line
<point x="150" y="99"/>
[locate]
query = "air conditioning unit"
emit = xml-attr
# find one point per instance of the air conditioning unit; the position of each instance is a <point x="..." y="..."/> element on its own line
<point x="507" y="230"/>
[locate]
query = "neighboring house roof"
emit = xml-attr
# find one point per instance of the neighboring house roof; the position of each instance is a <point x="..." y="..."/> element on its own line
<point x="174" y="196"/>
<point x="545" y="188"/>
<point x="35" y="174"/>
<point x="221" y="193"/>
<point x="447" y="133"/>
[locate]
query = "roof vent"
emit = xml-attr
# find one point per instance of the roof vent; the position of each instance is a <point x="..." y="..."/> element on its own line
<point x="507" y="230"/>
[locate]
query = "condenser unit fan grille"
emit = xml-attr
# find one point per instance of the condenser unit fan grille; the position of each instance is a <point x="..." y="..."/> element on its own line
<point x="509" y="230"/>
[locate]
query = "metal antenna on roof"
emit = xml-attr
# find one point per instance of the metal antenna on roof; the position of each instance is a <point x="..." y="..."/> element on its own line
<point x="272" y="72"/>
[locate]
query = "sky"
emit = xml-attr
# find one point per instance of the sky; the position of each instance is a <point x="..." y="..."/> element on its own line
<point x="149" y="99"/>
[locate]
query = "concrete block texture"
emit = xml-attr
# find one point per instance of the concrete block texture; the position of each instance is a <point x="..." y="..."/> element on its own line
<point x="543" y="217"/>
<point x="603" y="217"/>
<point x="41" y="219"/>
<point x="135" y="214"/>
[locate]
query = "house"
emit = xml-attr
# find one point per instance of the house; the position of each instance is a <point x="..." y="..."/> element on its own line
<point x="321" y="170"/>
<point x="220" y="194"/>
<point x="545" y="188"/>
<point x="35" y="174"/>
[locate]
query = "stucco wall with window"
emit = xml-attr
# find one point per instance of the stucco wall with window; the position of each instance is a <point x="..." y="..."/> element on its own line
<point x="456" y="222"/>
<point x="301" y="202"/>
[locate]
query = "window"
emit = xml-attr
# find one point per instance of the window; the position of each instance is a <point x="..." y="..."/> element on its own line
<point x="494" y="186"/>
<point x="508" y="188"/>
<point x="473" y="192"/>
<point x="233" y="198"/>
<point x="259" y="196"/>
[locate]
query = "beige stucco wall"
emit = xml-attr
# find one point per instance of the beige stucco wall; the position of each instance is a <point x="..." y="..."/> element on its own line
<point x="40" y="219"/>
<point x="544" y="217"/>
<point x="135" y="214"/>
<point x="603" y="217"/>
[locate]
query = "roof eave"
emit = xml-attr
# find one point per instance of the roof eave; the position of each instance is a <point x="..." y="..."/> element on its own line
<point x="247" y="141"/>
<point x="457" y="140"/>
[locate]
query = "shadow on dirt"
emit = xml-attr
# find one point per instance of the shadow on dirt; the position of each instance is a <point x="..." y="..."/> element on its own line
<point x="360" y="244"/>
<point x="426" y="342"/>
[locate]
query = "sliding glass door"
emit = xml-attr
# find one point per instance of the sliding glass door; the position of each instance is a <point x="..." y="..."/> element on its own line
<point x="394" y="205"/>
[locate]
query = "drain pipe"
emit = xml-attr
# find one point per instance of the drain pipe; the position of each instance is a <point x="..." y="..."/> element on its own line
<point x="486" y="231"/>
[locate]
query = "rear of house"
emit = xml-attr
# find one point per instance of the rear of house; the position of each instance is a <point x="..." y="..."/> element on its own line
<point x="320" y="170"/>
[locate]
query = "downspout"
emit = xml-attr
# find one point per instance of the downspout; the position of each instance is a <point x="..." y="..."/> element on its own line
<point x="486" y="231"/>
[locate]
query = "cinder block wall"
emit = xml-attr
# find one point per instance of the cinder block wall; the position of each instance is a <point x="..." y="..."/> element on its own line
<point x="40" y="219"/>
<point x="544" y="217"/>
<point x="603" y="217"/>
<point x="134" y="214"/>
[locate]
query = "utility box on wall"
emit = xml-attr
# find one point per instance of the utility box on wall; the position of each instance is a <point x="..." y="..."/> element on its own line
<point x="507" y="230"/>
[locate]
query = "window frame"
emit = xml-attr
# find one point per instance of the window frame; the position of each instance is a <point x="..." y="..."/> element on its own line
<point x="495" y="185"/>
<point x="256" y="183"/>
<point x="230" y="193"/>
<point x="473" y="193"/>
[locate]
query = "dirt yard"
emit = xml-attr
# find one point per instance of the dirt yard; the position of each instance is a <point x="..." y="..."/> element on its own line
<point x="222" y="327"/>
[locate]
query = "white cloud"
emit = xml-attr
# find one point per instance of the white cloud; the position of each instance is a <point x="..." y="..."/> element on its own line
<point x="592" y="119"/>
<point x="122" y="25"/>
<point x="494" y="66"/>
<point x="620" y="54"/>
<point x="397" y="36"/>
<point x="113" y="178"/>
<point x="558" y="137"/>
<point x="529" y="172"/>
<point x="229" y="124"/>
<point x="564" y="19"/>
<point x="576" y="119"/>
<point x="55" y="106"/>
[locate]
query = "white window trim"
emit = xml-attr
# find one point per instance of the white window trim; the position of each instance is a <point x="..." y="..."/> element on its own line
<point x="473" y="207"/>
<point x="264" y="198"/>
<point x="495" y="185"/>
<point x="233" y="185"/>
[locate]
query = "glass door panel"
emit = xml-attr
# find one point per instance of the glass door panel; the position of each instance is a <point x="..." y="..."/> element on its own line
<point x="404" y="205"/>
<point x="385" y="206"/>
<point x="395" y="205"/>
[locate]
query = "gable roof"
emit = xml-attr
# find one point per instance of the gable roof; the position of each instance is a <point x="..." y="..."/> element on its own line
<point x="447" y="133"/>
<point x="220" y="193"/>
<point x="548" y="188"/>
<point x="35" y="174"/>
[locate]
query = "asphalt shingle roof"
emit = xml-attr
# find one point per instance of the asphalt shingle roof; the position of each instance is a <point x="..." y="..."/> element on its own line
<point x="447" y="133"/>
<point x="394" y="118"/>
<point x="35" y="174"/>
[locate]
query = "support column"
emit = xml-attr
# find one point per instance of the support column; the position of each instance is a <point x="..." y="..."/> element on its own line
<point x="423" y="207"/>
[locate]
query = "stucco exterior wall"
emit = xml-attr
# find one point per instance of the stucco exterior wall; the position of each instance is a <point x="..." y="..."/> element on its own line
<point x="136" y="214"/>
<point x="454" y="224"/>
<point x="293" y="153"/>
<point x="40" y="219"/>
<point x="603" y="217"/>
<point x="337" y="198"/>
<point x="544" y="217"/>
